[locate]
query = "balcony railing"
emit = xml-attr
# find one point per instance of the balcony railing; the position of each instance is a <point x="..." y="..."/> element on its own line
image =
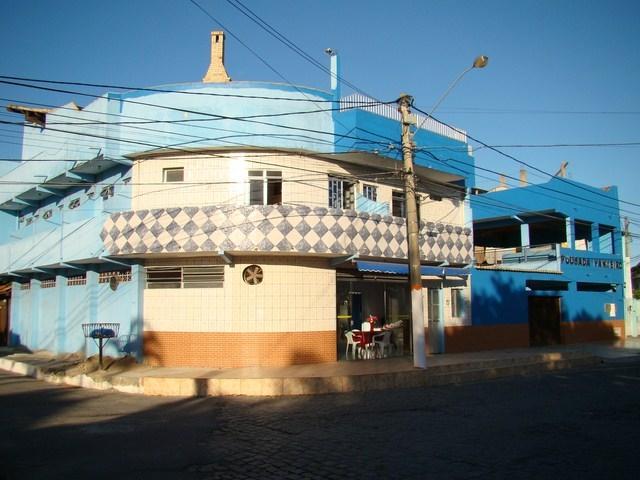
<point x="535" y="257"/>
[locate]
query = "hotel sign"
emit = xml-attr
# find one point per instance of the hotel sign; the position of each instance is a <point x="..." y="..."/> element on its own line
<point x="590" y="262"/>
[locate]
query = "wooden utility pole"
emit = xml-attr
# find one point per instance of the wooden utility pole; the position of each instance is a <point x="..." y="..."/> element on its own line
<point x="413" y="244"/>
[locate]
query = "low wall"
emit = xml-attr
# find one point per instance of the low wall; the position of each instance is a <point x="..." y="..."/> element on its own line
<point x="234" y="350"/>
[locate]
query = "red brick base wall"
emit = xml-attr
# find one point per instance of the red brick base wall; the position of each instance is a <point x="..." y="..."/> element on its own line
<point x="579" y="332"/>
<point x="233" y="350"/>
<point x="494" y="337"/>
<point x="486" y="337"/>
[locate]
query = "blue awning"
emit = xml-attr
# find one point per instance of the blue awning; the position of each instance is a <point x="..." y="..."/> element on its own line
<point x="403" y="269"/>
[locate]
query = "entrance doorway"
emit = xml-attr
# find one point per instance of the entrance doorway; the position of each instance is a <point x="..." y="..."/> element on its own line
<point x="544" y="321"/>
<point x="388" y="300"/>
<point x="435" y="320"/>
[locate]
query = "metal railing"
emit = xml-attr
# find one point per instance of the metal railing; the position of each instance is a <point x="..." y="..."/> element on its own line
<point x="492" y="256"/>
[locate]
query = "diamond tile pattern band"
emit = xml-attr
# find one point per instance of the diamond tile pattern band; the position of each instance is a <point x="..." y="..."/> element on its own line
<point x="279" y="228"/>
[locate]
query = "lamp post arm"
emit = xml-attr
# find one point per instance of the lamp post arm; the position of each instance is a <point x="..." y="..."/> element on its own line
<point x="444" y="95"/>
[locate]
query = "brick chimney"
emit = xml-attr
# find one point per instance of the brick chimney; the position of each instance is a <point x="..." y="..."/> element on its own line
<point x="217" y="72"/>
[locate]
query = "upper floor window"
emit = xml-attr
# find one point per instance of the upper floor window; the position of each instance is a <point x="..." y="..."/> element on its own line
<point x="398" y="204"/>
<point x="197" y="276"/>
<point x="370" y="192"/>
<point x="607" y="244"/>
<point x="265" y="187"/>
<point x="340" y="193"/>
<point x="583" y="237"/>
<point x="170" y="175"/>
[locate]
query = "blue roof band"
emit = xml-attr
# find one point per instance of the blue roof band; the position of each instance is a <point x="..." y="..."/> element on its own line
<point x="403" y="269"/>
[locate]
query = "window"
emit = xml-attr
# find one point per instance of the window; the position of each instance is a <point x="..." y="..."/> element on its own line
<point x="77" y="280"/>
<point x="49" y="283"/>
<point x="595" y="287"/>
<point x="171" y="175"/>
<point x="546" y="285"/>
<point x="265" y="187"/>
<point x="583" y="235"/>
<point x="202" y="276"/>
<point x="606" y="239"/>
<point x="398" y="204"/>
<point x="121" y="276"/>
<point x="370" y="192"/>
<point x="457" y="303"/>
<point x="340" y="193"/>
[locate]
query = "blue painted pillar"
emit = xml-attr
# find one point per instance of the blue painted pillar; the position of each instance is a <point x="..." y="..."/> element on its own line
<point x="571" y="236"/>
<point x="35" y="314"/>
<point x="137" y="310"/>
<point x="595" y="237"/>
<point x="93" y="298"/>
<point x="61" y="328"/>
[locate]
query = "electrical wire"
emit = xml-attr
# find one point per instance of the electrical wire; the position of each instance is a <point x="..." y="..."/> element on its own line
<point x="528" y="165"/>
<point x="183" y="110"/>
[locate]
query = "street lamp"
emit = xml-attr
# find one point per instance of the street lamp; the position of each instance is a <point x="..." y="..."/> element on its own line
<point x="413" y="229"/>
<point x="480" y="61"/>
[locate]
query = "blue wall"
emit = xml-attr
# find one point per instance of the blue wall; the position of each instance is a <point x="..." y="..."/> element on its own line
<point x="52" y="318"/>
<point x="574" y="199"/>
<point x="500" y="297"/>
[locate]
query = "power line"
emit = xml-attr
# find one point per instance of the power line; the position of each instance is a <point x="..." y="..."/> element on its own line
<point x="564" y="145"/>
<point x="609" y="210"/>
<point x="197" y="126"/>
<point x="494" y="149"/>
<point x="246" y="11"/>
<point x="483" y="110"/>
<point x="183" y="110"/>
<point x="160" y="90"/>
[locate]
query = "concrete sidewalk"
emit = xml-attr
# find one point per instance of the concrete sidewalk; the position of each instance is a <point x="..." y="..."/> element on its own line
<point x="346" y="376"/>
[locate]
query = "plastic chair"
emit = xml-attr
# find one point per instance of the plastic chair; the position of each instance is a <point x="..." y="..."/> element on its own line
<point x="366" y="346"/>
<point x="353" y="343"/>
<point x="382" y="343"/>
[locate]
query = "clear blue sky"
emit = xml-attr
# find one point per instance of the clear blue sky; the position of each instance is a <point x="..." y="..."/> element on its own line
<point x="560" y="72"/>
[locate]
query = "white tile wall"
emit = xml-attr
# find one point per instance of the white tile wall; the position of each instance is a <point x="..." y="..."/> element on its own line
<point x="296" y="295"/>
<point x="222" y="179"/>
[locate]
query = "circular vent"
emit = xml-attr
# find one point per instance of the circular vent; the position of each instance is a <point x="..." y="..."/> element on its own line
<point x="253" y="275"/>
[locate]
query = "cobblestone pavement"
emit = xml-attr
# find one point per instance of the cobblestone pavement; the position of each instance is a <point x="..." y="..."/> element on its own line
<point x="577" y="424"/>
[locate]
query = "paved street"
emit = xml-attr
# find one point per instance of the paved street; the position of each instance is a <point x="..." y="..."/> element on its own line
<point x="574" y="424"/>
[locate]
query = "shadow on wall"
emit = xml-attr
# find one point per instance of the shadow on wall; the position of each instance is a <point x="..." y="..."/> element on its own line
<point x="151" y="349"/>
<point x="585" y="327"/>
<point x="500" y="319"/>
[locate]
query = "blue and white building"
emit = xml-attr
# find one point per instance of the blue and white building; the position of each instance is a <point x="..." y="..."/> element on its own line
<point x="226" y="223"/>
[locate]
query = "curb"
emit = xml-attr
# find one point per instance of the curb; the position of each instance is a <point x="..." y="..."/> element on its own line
<point x="268" y="387"/>
<point x="83" y="380"/>
<point x="292" y="386"/>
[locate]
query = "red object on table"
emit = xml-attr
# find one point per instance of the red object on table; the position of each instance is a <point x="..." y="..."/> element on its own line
<point x="366" y="338"/>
